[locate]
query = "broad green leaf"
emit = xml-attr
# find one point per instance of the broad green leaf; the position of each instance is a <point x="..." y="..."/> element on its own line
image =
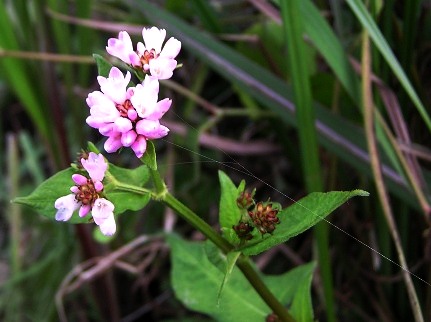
<point x="149" y="157"/>
<point x="135" y="177"/>
<point x="299" y="284"/>
<point x="299" y="217"/>
<point x="43" y="197"/>
<point x="103" y="66"/>
<point x="127" y="200"/>
<point x="196" y="282"/>
<point x="231" y="259"/>
<point x="229" y="213"/>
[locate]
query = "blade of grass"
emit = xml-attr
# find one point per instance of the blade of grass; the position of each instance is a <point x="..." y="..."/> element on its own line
<point x="309" y="151"/>
<point x="375" y="164"/>
<point x="379" y="41"/>
<point x="15" y="72"/>
<point x="207" y="15"/>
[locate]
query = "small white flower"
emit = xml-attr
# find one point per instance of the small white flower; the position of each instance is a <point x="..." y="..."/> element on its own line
<point x="103" y="215"/>
<point x="65" y="206"/>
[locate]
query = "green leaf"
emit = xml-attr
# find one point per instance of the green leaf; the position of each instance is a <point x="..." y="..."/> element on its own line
<point x="229" y="213"/>
<point x="103" y="66"/>
<point x="295" y="290"/>
<point x="149" y="157"/>
<point x="327" y="43"/>
<point x="127" y="200"/>
<point x="92" y="148"/>
<point x="196" y="282"/>
<point x="301" y="216"/>
<point x="231" y="259"/>
<point x="42" y="199"/>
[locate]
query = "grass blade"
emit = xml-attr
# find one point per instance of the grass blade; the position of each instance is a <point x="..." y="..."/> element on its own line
<point x="380" y="42"/>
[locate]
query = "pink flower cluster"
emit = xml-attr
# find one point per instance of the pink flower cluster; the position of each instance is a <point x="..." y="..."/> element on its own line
<point x="129" y="116"/>
<point x="86" y="196"/>
<point x="149" y="56"/>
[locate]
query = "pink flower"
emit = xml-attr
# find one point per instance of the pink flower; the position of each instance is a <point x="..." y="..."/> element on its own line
<point x="103" y="215"/>
<point x="122" y="48"/>
<point x="95" y="165"/>
<point x="149" y="56"/>
<point x="131" y="115"/>
<point x="86" y="195"/>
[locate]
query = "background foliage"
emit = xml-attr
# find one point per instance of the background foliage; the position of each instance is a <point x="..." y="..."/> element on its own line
<point x="233" y="109"/>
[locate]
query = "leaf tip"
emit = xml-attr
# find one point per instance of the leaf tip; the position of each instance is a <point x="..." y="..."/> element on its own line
<point x="361" y="193"/>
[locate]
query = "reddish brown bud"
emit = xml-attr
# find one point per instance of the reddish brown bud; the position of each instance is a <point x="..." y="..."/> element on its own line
<point x="264" y="217"/>
<point x="243" y="230"/>
<point x="245" y="200"/>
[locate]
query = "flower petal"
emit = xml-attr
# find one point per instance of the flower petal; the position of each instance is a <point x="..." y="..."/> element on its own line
<point x="128" y="138"/>
<point x="101" y="210"/>
<point x="108" y="226"/>
<point x="153" y="38"/>
<point x="151" y="129"/>
<point x="162" y="68"/>
<point x="171" y="48"/>
<point x="139" y="146"/>
<point x="115" y="86"/>
<point x="113" y="143"/>
<point x="122" y="48"/>
<point x="79" y="179"/>
<point x="65" y="206"/>
<point x="95" y="165"/>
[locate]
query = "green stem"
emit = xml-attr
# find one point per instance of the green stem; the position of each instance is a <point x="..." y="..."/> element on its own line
<point x="197" y="222"/>
<point x="158" y="183"/>
<point x="253" y="277"/>
<point x="243" y="262"/>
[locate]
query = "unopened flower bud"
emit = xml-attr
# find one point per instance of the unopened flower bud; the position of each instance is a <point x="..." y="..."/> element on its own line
<point x="245" y="200"/>
<point x="264" y="217"/>
<point x="243" y="230"/>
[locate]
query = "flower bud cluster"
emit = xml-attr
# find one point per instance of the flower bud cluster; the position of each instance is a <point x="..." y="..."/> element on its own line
<point x="264" y="217"/>
<point x="129" y="116"/>
<point x="261" y="215"/>
<point x="87" y="196"/>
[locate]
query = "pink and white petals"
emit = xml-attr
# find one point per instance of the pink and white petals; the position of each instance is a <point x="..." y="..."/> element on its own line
<point x="113" y="143"/>
<point x="151" y="129"/>
<point x="139" y="146"/>
<point x="171" y="49"/>
<point x="65" y="206"/>
<point x="103" y="215"/>
<point x="122" y="48"/>
<point x="108" y="227"/>
<point x="150" y="56"/>
<point x="115" y="86"/>
<point x="162" y="68"/>
<point x="95" y="165"/>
